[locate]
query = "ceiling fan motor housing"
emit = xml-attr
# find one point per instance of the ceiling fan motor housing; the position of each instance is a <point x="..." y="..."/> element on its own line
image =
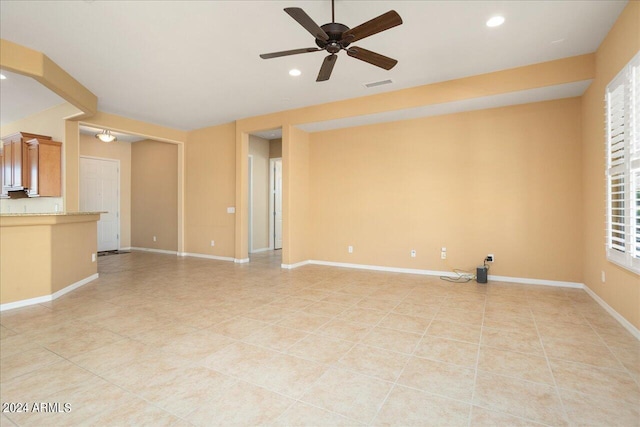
<point x="334" y="30"/>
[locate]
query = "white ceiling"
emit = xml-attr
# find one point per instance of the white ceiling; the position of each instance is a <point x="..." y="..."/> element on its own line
<point x="269" y="134"/>
<point x="194" y="64"/>
<point x="22" y="96"/>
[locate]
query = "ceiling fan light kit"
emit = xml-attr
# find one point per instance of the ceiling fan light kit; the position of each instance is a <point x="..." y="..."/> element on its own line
<point x="334" y="37"/>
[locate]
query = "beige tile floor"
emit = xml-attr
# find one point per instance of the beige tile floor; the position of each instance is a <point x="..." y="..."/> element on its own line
<point x="159" y="340"/>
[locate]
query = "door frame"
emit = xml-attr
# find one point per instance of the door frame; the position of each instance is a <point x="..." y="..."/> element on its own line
<point x="117" y="162"/>
<point x="250" y="205"/>
<point x="272" y="204"/>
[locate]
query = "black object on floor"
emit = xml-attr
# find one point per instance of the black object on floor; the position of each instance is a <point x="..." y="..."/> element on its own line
<point x="105" y="253"/>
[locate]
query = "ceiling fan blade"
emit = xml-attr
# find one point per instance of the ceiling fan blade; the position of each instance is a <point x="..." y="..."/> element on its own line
<point x="303" y="19"/>
<point x="374" y="26"/>
<point x="327" y="67"/>
<point x="371" y="57"/>
<point x="288" y="52"/>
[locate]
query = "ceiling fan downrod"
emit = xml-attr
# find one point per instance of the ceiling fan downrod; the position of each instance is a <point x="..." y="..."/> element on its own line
<point x="333" y="12"/>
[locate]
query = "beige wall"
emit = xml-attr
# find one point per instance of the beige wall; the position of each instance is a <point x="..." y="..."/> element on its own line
<point x="71" y="249"/>
<point x="92" y="147"/>
<point x="49" y="122"/>
<point x="210" y="189"/>
<point x="154" y="195"/>
<point x="40" y="255"/>
<point x="25" y="276"/>
<point x="259" y="150"/>
<point x="556" y="72"/>
<point x="622" y="288"/>
<point x="504" y="181"/>
<point x="296" y="203"/>
<point x="275" y="148"/>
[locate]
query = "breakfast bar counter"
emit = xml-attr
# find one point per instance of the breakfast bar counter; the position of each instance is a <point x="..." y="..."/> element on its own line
<point x="45" y="255"/>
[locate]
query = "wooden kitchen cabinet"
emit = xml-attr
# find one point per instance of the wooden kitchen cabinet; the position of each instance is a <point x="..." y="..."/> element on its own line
<point x="44" y="174"/>
<point x="12" y="176"/>
<point x="31" y="163"/>
<point x="14" y="171"/>
<point x="3" y="191"/>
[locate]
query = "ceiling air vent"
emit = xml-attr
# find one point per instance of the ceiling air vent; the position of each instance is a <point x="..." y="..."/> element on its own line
<point x="380" y="83"/>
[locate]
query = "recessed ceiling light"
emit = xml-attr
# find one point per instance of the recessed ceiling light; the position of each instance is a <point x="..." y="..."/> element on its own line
<point x="2" y="77"/>
<point x="295" y="72"/>
<point x="495" y="21"/>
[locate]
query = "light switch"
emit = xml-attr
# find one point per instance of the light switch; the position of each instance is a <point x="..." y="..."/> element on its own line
<point x="232" y="209"/>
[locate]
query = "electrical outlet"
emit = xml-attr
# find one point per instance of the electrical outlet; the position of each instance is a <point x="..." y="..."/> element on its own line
<point x="603" y="276"/>
<point x="491" y="258"/>
<point x="213" y="243"/>
<point x="155" y="239"/>
<point x="93" y="257"/>
<point x="443" y="254"/>
<point x="413" y="253"/>
<point x="350" y="249"/>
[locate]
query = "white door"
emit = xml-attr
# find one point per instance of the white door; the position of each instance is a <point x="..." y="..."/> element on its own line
<point x="276" y="203"/>
<point x="99" y="186"/>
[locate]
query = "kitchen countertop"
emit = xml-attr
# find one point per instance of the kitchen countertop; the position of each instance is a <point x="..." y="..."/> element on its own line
<point x="46" y="218"/>
<point x="51" y="213"/>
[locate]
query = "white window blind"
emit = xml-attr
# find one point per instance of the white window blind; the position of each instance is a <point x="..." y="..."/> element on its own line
<point x="635" y="159"/>
<point x="622" y="102"/>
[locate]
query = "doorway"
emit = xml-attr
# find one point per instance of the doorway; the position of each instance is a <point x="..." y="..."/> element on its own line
<point x="99" y="192"/>
<point x="275" y="203"/>
<point x="264" y="148"/>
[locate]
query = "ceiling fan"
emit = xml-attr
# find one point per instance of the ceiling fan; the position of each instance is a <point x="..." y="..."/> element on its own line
<point x="334" y="37"/>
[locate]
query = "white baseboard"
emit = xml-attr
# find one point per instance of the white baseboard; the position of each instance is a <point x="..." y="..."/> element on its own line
<point x="48" y="298"/>
<point x="255" y="251"/>
<point x="241" y="260"/>
<point x="624" y="322"/>
<point x="125" y="249"/>
<point x="25" y="302"/>
<point x="523" y="280"/>
<point x="541" y="282"/>
<point x="159" y="251"/>
<point x="215" y="257"/>
<point x="296" y="265"/>
<point x="376" y="268"/>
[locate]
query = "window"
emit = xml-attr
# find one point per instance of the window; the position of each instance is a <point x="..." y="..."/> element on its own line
<point x="622" y="102"/>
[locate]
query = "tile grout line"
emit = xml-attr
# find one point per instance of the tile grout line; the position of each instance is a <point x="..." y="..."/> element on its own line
<point x="395" y="383"/>
<point x="327" y="365"/>
<point x="310" y="386"/>
<point x="475" y="377"/>
<point x="606" y="345"/>
<point x="97" y="375"/>
<point x="553" y="377"/>
<point x="355" y="344"/>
